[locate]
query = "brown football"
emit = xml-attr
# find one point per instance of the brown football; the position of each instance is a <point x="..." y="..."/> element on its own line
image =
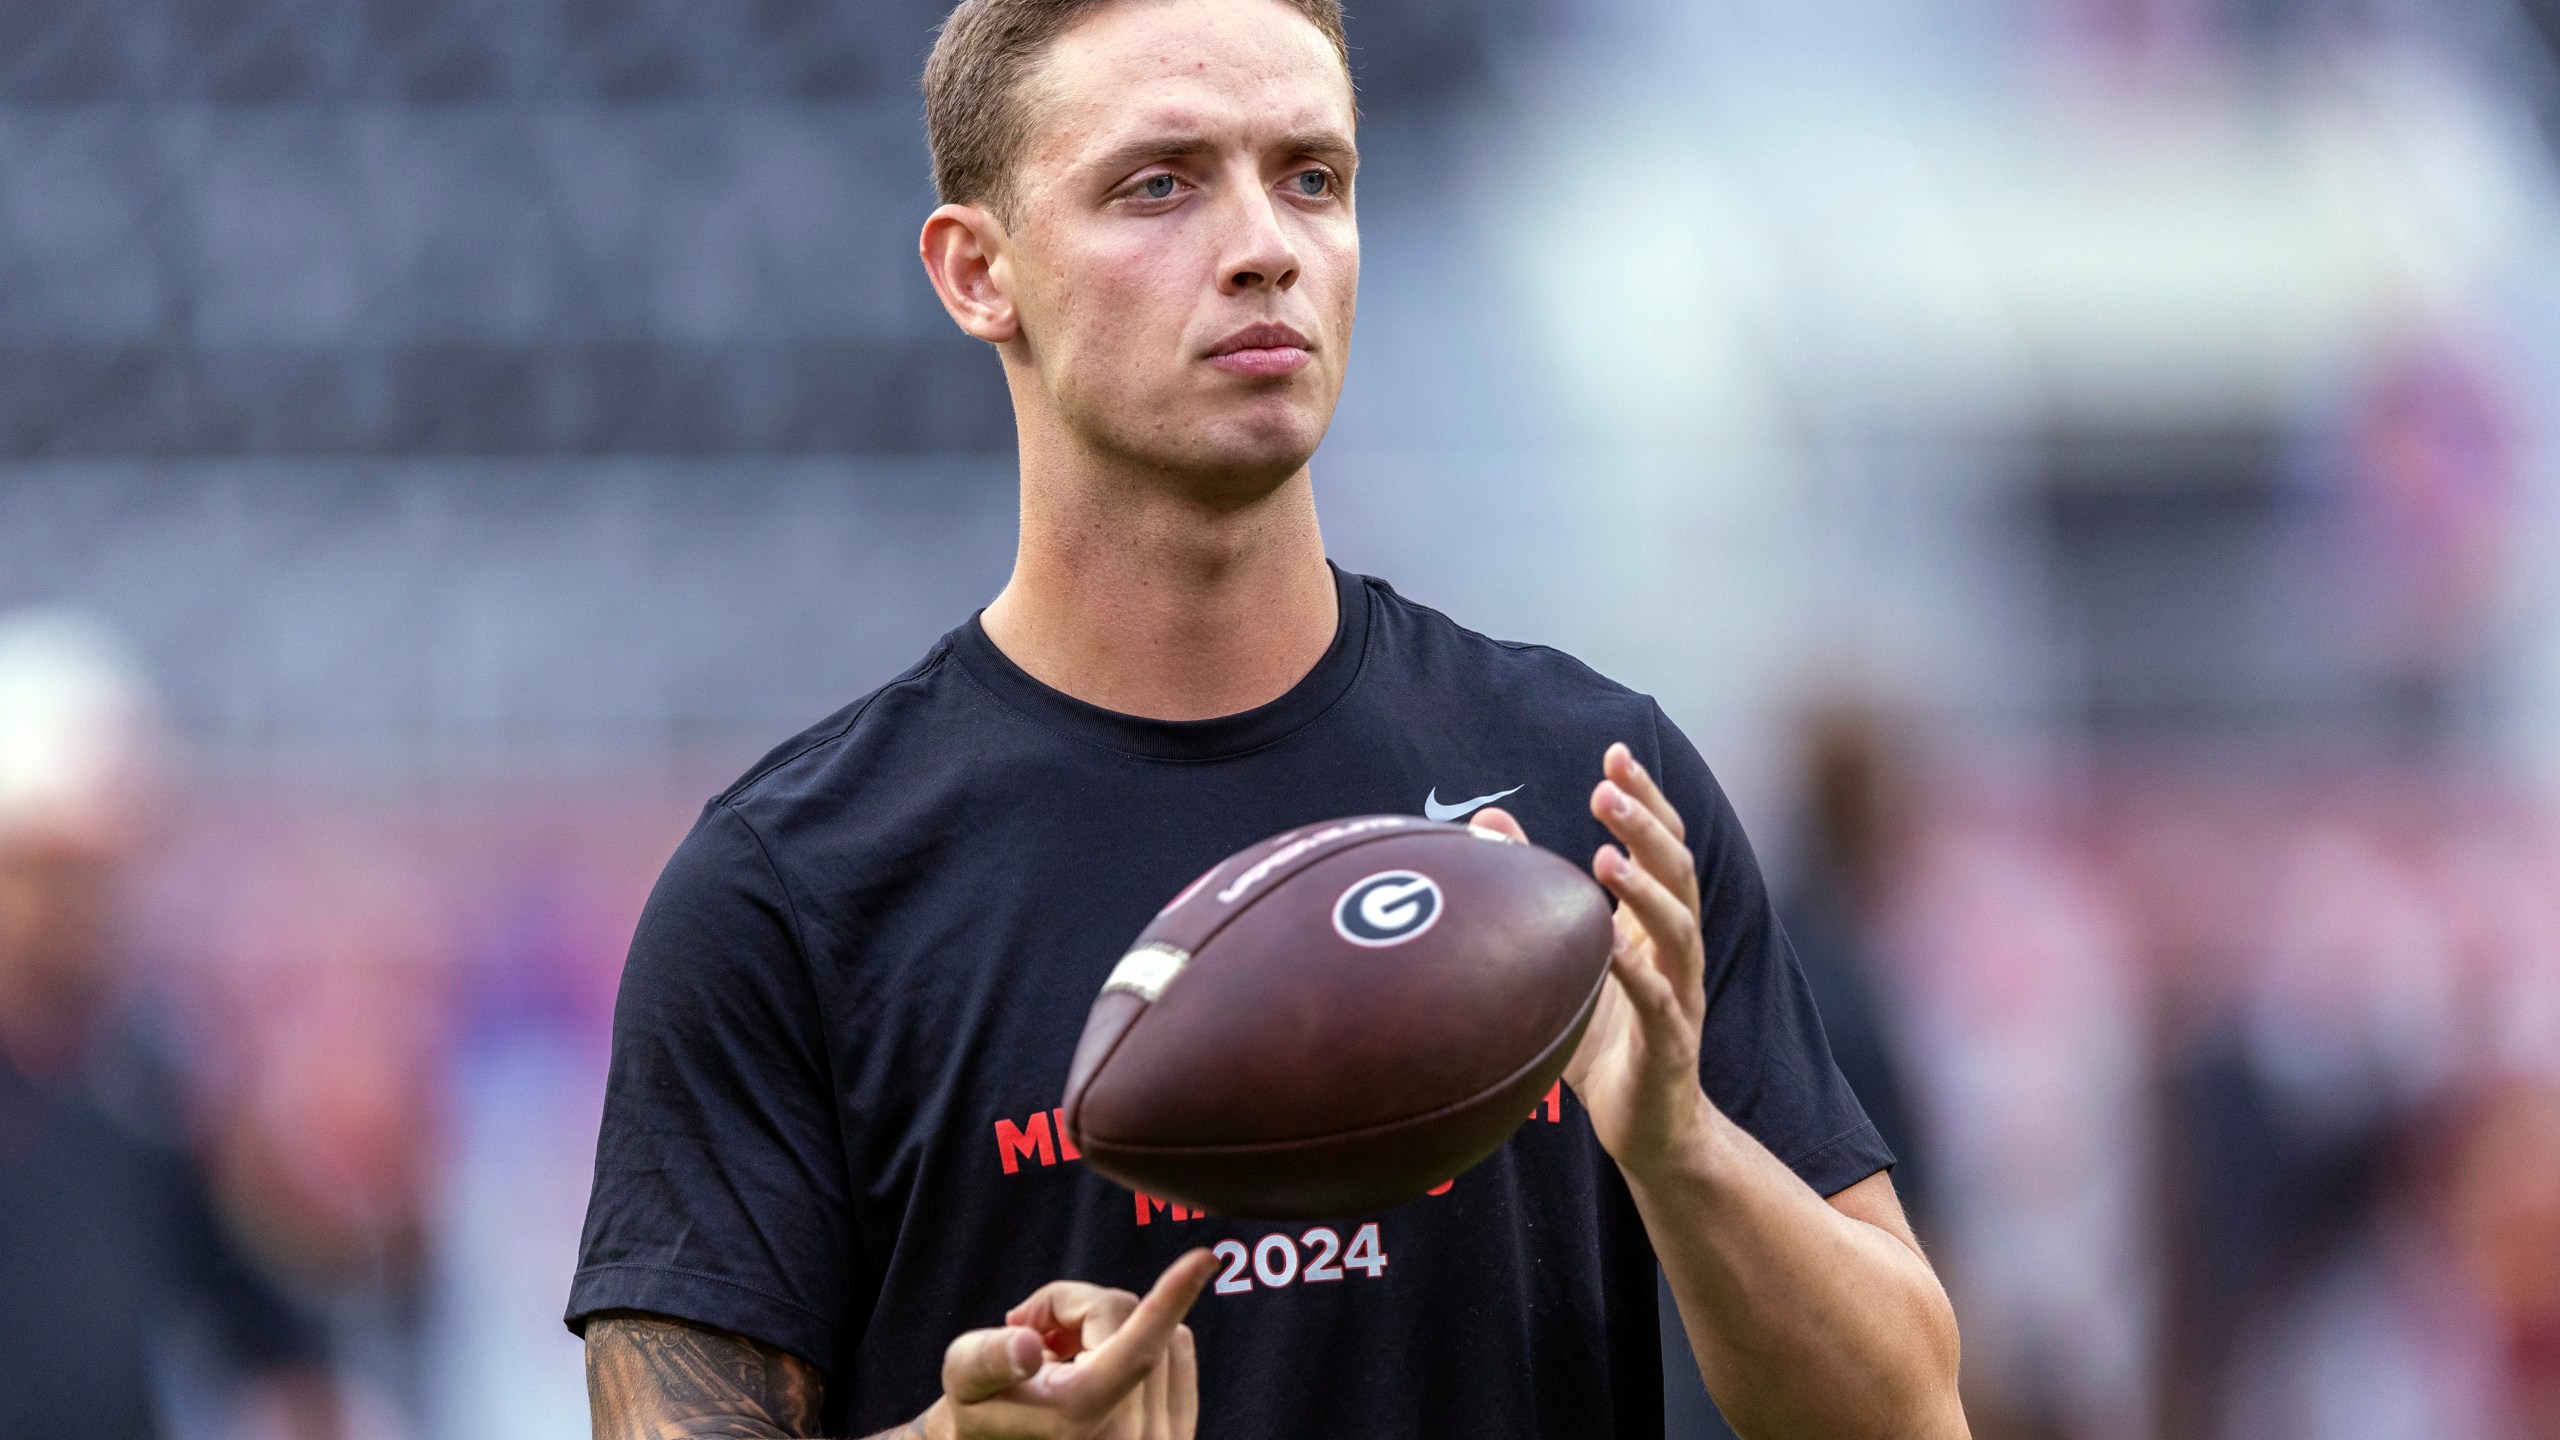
<point x="1338" y="1019"/>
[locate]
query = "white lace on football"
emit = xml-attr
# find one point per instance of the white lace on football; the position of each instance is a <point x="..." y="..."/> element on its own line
<point x="1145" y="971"/>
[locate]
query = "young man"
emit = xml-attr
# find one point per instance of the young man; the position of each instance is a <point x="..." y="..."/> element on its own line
<point x="830" y="1161"/>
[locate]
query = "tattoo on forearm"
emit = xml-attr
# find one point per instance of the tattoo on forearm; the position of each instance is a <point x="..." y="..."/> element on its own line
<point x="650" y="1378"/>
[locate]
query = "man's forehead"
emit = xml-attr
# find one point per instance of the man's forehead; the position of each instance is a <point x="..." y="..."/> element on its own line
<point x="1183" y="68"/>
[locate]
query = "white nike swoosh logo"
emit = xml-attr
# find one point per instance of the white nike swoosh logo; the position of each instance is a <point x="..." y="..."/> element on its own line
<point x="1432" y="809"/>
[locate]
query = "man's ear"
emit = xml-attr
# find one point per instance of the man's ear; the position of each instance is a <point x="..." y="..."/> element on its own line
<point x="965" y="253"/>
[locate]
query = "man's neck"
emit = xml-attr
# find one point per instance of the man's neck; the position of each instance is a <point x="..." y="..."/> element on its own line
<point x="1148" y="602"/>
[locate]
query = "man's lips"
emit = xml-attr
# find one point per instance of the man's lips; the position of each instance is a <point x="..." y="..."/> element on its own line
<point x="1262" y="351"/>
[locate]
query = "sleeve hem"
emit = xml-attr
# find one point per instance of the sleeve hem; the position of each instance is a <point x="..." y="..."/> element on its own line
<point x="1843" y="1160"/>
<point x="701" y="1299"/>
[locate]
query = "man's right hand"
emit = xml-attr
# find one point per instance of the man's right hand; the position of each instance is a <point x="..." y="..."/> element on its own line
<point x="1079" y="1362"/>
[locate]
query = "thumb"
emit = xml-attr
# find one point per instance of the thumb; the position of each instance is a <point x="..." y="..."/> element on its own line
<point x="986" y="1363"/>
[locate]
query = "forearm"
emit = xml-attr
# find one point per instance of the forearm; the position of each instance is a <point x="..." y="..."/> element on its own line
<point x="650" y="1378"/>
<point x="1806" y="1321"/>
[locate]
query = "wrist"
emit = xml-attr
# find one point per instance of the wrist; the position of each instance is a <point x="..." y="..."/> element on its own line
<point x="1693" y="1150"/>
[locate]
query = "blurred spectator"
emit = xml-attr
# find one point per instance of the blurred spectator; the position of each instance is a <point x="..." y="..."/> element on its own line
<point x="2373" y="1143"/>
<point x="122" y="1288"/>
<point x="2431" y="523"/>
<point x="325" y="1009"/>
<point x="2443" y="1323"/>
<point x="2281" y="1113"/>
<point x="2413" y="518"/>
<point x="1855" y="790"/>
<point x="2028" y="1054"/>
<point x="313" y="961"/>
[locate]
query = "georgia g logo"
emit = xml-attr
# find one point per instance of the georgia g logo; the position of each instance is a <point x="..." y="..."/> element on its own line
<point x="1388" y="908"/>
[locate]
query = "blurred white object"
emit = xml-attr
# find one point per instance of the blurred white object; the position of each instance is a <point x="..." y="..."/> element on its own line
<point x="2022" y="1013"/>
<point x="81" y="740"/>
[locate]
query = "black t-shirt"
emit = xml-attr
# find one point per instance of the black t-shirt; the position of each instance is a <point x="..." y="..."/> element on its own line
<point x="849" y="1010"/>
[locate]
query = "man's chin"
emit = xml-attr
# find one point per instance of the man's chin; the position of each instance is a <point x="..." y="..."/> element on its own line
<point x="1248" y="467"/>
<point x="1233" y="462"/>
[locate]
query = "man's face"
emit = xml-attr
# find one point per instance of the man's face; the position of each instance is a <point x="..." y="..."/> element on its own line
<point x="1186" y="257"/>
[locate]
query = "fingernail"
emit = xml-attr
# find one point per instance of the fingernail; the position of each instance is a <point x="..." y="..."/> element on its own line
<point x="1023" y="1352"/>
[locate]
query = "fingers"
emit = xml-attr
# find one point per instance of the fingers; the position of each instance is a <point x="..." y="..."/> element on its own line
<point x="1655" y="1000"/>
<point x="1606" y="1020"/>
<point x="1501" y="823"/>
<point x="1619" y="764"/>
<point x="1067" y="1302"/>
<point x="1155" y="1399"/>
<point x="985" y="1363"/>
<point x="1634" y="808"/>
<point x="1072" y="1316"/>
<point x="1184" y="1387"/>
<point x="1647" y="839"/>
<point x="1668" y="920"/>
<point x="1113" y="1369"/>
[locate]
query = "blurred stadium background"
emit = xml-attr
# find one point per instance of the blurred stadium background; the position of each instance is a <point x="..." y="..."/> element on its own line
<point x="2075" y="466"/>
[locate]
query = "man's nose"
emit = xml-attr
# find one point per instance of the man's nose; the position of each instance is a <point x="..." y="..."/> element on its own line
<point x="1260" y="255"/>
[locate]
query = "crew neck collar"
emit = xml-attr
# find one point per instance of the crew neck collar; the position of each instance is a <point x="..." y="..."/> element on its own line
<point x="1192" y="740"/>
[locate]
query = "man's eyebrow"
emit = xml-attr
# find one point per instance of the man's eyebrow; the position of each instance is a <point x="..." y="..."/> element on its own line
<point x="1148" y="149"/>
<point x="1330" y="145"/>
<point x="1327" y="145"/>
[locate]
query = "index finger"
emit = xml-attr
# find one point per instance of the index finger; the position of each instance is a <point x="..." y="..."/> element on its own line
<point x="1119" y="1363"/>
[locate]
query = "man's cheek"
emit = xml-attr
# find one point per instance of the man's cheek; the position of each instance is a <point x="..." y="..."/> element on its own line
<point x="1127" y="307"/>
<point x="1343" y="281"/>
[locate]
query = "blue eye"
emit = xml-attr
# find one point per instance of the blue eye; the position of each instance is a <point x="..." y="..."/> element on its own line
<point x="1313" y="182"/>
<point x="1157" y="187"/>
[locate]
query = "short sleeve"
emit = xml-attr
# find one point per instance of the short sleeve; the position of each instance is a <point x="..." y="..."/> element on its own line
<point x="1765" y="1061"/>
<point x="720" y="1192"/>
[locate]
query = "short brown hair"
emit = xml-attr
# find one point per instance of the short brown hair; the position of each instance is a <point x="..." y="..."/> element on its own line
<point x="974" y="119"/>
